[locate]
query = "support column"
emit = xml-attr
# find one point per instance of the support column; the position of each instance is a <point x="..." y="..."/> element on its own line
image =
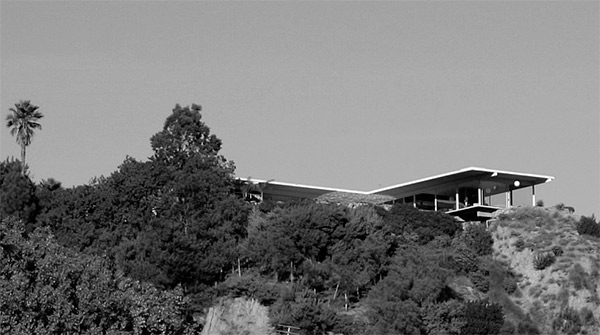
<point x="435" y="205"/>
<point x="509" y="199"/>
<point x="480" y="196"/>
<point x="415" y="201"/>
<point x="533" y="195"/>
<point x="457" y="200"/>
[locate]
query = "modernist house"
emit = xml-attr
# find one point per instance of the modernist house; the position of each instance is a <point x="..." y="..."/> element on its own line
<point x="471" y="194"/>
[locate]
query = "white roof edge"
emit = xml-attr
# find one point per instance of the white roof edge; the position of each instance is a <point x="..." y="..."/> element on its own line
<point x="331" y="189"/>
<point x="273" y="182"/>
<point x="548" y="178"/>
<point x="471" y="168"/>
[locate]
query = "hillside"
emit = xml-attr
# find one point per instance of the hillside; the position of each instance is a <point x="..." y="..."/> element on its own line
<point x="561" y="298"/>
<point x="550" y="297"/>
<point x="159" y="242"/>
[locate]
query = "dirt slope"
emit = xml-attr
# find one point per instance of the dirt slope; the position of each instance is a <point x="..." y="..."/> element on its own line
<point x="553" y="298"/>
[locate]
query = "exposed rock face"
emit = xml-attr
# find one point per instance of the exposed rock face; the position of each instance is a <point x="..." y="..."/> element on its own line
<point x="239" y="316"/>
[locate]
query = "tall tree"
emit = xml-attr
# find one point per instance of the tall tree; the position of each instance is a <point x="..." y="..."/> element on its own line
<point x="17" y="192"/>
<point x="22" y="122"/>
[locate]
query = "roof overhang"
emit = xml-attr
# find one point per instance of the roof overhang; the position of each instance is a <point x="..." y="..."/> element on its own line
<point x="447" y="182"/>
<point x="468" y="177"/>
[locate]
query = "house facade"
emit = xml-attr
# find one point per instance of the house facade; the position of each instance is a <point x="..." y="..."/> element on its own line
<point x="471" y="194"/>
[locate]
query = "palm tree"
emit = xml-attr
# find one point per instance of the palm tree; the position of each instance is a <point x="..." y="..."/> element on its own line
<point x="22" y="122"/>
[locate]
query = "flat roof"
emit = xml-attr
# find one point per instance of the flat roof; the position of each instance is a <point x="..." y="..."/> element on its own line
<point x="454" y="178"/>
<point x="294" y="185"/>
<point x="446" y="180"/>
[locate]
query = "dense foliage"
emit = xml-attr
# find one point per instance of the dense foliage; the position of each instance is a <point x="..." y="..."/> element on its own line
<point x="17" y="192"/>
<point x="167" y="236"/>
<point x="46" y="288"/>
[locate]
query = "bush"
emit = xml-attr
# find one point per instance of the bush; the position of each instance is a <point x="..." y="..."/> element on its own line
<point x="567" y="321"/>
<point x="403" y="218"/>
<point x="464" y="259"/>
<point x="311" y="318"/>
<point x="557" y="251"/>
<point x="443" y="318"/>
<point x="509" y="284"/>
<point x="587" y="316"/>
<point x="250" y="286"/>
<point x="580" y="278"/>
<point x="482" y="317"/>
<point x="478" y="239"/>
<point x="588" y="226"/>
<point x="480" y="280"/>
<point x="542" y="260"/>
<point x="519" y="244"/>
<point x="508" y="328"/>
<point x="527" y="328"/>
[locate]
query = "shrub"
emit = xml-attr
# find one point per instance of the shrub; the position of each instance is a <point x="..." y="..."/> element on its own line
<point x="557" y="251"/>
<point x="443" y="318"/>
<point x="250" y="285"/>
<point x="587" y="317"/>
<point x="519" y="244"/>
<point x="588" y="226"/>
<point x="542" y="260"/>
<point x="509" y="284"/>
<point x="478" y="239"/>
<point x="403" y="218"/>
<point x="310" y="317"/>
<point x="465" y="259"/>
<point x="540" y="203"/>
<point x="535" y="291"/>
<point x="508" y="328"/>
<point x="480" y="280"/>
<point x="482" y="317"/>
<point x="525" y="215"/>
<point x="579" y="277"/>
<point x="567" y="321"/>
<point x="527" y="328"/>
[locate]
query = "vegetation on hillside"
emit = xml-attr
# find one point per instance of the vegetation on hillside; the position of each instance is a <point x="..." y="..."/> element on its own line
<point x="150" y="248"/>
<point x="556" y="267"/>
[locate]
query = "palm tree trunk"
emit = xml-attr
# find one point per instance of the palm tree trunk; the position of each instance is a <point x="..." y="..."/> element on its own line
<point x="23" y="154"/>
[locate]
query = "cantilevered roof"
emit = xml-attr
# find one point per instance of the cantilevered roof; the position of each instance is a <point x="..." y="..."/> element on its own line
<point x="463" y="177"/>
<point x="467" y="177"/>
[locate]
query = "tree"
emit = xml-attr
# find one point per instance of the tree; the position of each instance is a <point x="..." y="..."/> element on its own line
<point x="405" y="219"/>
<point x="17" y="192"/>
<point x="48" y="289"/>
<point x="22" y="122"/>
<point x="184" y="136"/>
<point x="170" y="220"/>
<point x="482" y="317"/>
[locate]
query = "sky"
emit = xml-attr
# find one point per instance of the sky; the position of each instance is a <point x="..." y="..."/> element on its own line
<point x="352" y="95"/>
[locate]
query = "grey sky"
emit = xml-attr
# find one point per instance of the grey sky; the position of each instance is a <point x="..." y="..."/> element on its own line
<point x="355" y="95"/>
